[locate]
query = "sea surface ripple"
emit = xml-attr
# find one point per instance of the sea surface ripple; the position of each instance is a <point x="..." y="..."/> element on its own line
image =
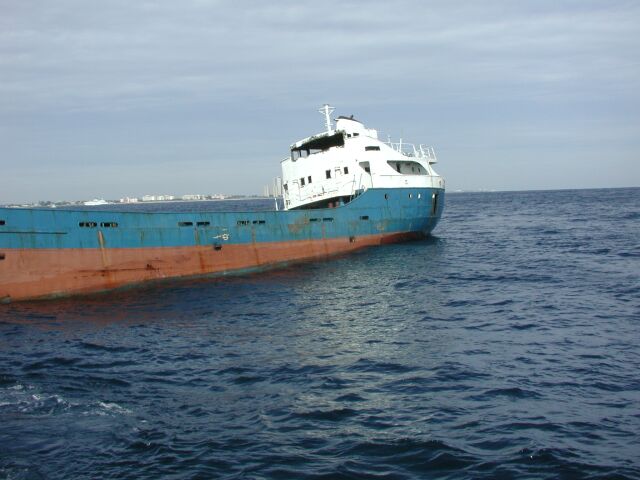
<point x="505" y="346"/>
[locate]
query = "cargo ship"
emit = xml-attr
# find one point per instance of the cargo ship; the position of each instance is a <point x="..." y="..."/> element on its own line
<point x="342" y="189"/>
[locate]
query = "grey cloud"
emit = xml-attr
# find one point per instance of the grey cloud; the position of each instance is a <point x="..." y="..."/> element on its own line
<point x="115" y="83"/>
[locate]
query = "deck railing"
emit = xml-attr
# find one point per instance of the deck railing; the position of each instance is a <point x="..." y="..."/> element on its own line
<point x="410" y="150"/>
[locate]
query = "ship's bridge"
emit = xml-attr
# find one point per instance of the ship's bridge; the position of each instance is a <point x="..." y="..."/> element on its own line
<point x="333" y="167"/>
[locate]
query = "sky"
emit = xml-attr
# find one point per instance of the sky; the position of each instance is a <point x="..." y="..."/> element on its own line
<point x="122" y="98"/>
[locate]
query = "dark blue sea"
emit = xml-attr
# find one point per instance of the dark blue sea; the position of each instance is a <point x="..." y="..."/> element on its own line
<point x="505" y="346"/>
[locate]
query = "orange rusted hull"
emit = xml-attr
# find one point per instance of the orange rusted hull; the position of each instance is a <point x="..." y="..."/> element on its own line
<point x="47" y="273"/>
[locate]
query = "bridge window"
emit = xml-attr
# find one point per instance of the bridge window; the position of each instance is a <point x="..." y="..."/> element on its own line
<point x="203" y="224"/>
<point x="88" y="224"/>
<point x="317" y="145"/>
<point x="108" y="224"/>
<point x="185" y="224"/>
<point x="364" y="217"/>
<point x="372" y="148"/>
<point x="243" y="222"/>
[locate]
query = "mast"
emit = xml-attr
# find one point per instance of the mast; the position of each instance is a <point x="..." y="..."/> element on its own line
<point x="327" y="110"/>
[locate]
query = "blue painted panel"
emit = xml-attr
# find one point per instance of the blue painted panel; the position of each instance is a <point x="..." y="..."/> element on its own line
<point x="45" y="228"/>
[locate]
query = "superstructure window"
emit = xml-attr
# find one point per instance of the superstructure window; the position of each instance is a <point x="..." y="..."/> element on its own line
<point x="309" y="178"/>
<point x="259" y="222"/>
<point x="185" y="224"/>
<point x="328" y="173"/>
<point x="243" y="222"/>
<point x="203" y="224"/>
<point x="318" y="144"/>
<point x="346" y="170"/>
<point x="302" y="182"/>
<point x="286" y="187"/>
<point x="372" y="148"/>
<point x="407" y="168"/>
<point x="2" y="256"/>
<point x="2" y="222"/>
<point x="108" y="224"/>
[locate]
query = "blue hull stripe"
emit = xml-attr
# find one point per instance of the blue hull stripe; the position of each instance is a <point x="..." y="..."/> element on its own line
<point x="376" y="211"/>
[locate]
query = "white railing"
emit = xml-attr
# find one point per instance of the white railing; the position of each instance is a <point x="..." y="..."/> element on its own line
<point x="410" y="150"/>
<point x="360" y="185"/>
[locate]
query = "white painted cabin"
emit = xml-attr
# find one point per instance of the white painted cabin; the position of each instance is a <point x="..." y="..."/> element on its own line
<point x="331" y="168"/>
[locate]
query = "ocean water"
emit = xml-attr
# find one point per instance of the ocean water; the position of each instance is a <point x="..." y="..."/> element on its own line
<point x="505" y="346"/>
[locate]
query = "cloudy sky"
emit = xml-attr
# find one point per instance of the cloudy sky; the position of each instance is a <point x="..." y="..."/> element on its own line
<point x="107" y="99"/>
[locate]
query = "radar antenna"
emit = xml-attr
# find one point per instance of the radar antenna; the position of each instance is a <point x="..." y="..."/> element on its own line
<point x="327" y="110"/>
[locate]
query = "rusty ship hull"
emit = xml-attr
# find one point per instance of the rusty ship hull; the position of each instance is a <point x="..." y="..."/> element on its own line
<point x="47" y="253"/>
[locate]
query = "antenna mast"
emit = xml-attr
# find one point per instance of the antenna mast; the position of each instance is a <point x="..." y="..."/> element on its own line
<point x="327" y="110"/>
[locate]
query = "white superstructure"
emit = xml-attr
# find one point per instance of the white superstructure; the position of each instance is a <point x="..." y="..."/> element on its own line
<point x="333" y="167"/>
